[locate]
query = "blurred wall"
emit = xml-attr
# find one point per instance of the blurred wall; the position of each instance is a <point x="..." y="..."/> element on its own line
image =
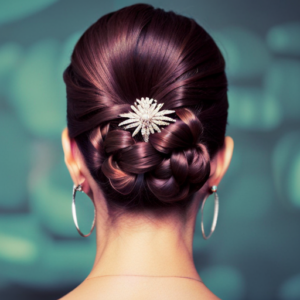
<point x="254" y="253"/>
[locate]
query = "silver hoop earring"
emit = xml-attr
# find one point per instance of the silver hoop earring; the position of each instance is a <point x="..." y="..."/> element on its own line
<point x="216" y="212"/>
<point x="79" y="189"/>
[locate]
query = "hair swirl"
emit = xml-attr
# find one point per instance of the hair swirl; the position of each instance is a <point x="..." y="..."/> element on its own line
<point x="136" y="52"/>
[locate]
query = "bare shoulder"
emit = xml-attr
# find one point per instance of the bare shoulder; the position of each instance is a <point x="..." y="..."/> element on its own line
<point x="140" y="289"/>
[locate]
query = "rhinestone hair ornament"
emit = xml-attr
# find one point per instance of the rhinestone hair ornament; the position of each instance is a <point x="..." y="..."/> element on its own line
<point x="145" y="116"/>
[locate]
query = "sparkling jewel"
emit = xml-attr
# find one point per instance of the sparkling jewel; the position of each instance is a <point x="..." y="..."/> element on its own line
<point x="214" y="188"/>
<point x="146" y="117"/>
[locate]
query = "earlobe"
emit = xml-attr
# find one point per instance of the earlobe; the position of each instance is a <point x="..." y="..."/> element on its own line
<point x="229" y="146"/>
<point x="66" y="144"/>
<point x="70" y="160"/>
<point x="221" y="162"/>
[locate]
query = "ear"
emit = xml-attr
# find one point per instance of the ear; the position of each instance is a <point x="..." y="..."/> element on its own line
<point x="71" y="158"/>
<point x="221" y="162"/>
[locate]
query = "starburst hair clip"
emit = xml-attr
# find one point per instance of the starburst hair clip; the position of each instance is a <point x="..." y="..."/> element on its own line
<point x="146" y="117"/>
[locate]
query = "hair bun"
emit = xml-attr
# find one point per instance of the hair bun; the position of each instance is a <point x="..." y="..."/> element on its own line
<point x="175" y="164"/>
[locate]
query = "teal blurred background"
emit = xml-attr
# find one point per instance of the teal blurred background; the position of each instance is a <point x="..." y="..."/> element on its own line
<point x="254" y="253"/>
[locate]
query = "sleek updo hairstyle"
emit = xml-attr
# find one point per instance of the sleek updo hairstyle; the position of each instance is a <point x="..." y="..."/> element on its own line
<point x="136" y="52"/>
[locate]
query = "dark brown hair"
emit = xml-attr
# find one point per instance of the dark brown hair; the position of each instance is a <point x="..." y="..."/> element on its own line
<point x="135" y="52"/>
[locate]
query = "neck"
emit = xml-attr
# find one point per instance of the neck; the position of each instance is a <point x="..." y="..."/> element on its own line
<point x="143" y="245"/>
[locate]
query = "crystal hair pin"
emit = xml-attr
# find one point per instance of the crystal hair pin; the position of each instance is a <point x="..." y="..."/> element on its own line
<point x="145" y="116"/>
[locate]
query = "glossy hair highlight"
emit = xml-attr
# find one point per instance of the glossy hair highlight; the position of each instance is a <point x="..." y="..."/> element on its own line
<point x="135" y="52"/>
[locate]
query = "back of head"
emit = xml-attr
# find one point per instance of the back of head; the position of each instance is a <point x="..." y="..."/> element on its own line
<point x="138" y="52"/>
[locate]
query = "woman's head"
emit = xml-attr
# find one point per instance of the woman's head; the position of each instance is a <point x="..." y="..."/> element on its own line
<point x="138" y="52"/>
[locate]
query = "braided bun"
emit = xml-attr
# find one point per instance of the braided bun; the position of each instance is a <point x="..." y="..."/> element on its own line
<point x="175" y="164"/>
<point x="137" y="52"/>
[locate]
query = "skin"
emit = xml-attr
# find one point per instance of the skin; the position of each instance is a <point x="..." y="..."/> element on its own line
<point x="142" y="244"/>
